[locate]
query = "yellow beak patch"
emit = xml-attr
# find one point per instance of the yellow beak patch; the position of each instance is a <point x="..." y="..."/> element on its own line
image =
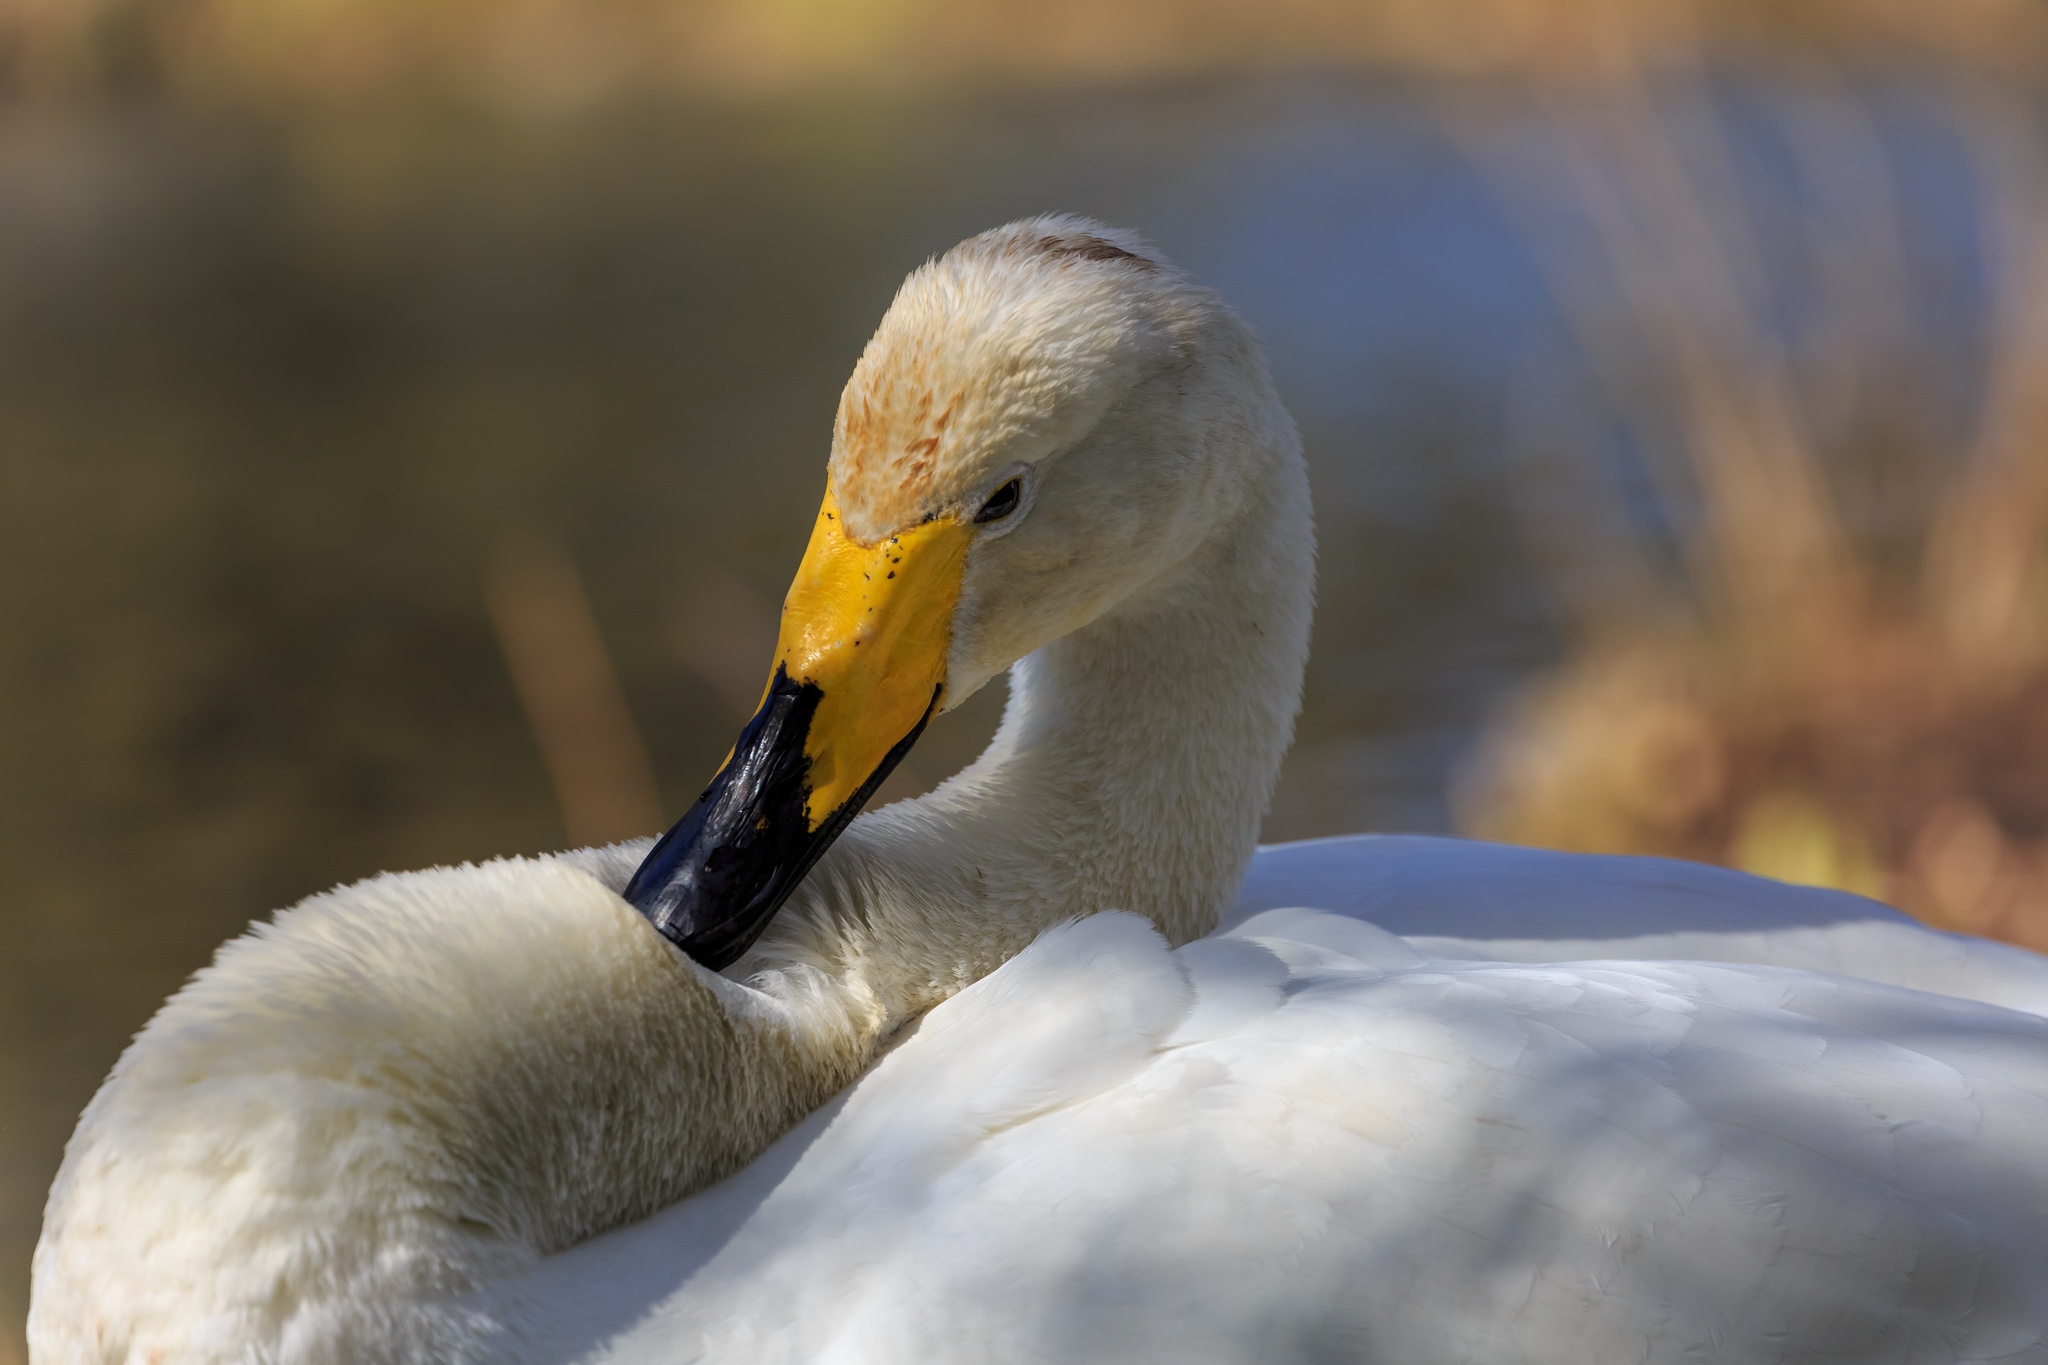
<point x="860" y="665"/>
<point x="869" y="626"/>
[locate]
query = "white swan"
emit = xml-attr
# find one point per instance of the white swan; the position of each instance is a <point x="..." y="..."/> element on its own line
<point x="416" y="1119"/>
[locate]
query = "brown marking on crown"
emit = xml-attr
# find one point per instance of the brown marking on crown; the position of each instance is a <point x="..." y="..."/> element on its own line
<point x="910" y="406"/>
<point x="1086" y="246"/>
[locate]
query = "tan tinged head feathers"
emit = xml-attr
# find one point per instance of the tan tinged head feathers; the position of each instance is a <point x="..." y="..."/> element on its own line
<point x="1006" y="348"/>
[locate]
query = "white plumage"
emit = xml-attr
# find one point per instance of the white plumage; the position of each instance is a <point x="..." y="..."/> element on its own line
<point x="1456" y="898"/>
<point x="1415" y="1101"/>
<point x="1301" y="1139"/>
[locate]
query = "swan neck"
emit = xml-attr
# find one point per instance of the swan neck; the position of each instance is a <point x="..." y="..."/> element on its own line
<point x="1134" y="764"/>
<point x="1146" y="746"/>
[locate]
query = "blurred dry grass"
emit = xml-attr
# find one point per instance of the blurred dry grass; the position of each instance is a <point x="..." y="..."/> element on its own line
<point x="1841" y="673"/>
<point x="544" y="53"/>
<point x="569" y="689"/>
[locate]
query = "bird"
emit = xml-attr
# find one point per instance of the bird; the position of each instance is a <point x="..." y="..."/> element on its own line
<point x="1054" y="1063"/>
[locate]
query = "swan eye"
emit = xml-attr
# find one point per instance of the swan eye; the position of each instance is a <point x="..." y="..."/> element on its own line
<point x="1002" y="502"/>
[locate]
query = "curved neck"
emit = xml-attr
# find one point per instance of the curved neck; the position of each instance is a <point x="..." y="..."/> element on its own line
<point x="1132" y="769"/>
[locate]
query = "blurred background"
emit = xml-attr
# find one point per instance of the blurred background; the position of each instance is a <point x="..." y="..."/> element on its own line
<point x="376" y="381"/>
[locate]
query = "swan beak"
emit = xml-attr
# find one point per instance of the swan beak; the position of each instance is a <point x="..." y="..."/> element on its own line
<point x="860" y="667"/>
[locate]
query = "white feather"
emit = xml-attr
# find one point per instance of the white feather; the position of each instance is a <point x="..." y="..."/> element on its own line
<point x="1416" y="1101"/>
<point x="1390" y="1157"/>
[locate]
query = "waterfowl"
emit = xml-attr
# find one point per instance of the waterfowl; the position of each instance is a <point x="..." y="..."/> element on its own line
<point x="978" y="1076"/>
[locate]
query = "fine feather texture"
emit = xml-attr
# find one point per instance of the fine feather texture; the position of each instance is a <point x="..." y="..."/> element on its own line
<point x="395" y="1093"/>
<point x="1363" y="1153"/>
<point x="1397" y="1110"/>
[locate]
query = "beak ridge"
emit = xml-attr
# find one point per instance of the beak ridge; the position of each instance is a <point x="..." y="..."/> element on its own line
<point x="713" y="882"/>
<point x="860" y="670"/>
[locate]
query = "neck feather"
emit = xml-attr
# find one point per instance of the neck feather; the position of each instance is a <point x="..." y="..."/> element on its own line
<point x="1132" y="769"/>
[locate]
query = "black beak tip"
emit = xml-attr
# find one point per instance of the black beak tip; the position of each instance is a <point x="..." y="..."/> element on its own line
<point x="715" y="880"/>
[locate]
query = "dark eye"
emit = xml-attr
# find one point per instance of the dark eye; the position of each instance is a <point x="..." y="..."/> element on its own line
<point x="1002" y="502"/>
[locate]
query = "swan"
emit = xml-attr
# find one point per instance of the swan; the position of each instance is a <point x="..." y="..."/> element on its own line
<point x="1047" y="1065"/>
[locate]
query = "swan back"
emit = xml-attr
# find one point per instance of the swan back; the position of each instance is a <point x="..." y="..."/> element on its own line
<point x="1458" y="898"/>
<point x="1303" y="1140"/>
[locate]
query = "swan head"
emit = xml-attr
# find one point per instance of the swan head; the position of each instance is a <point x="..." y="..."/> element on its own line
<point x="1048" y="421"/>
<point x="1053" y="392"/>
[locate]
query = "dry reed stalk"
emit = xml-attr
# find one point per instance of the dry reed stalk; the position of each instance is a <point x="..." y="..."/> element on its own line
<point x="1985" y="577"/>
<point x="1776" y="707"/>
<point x="565" y="680"/>
<point x="1768" y="546"/>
